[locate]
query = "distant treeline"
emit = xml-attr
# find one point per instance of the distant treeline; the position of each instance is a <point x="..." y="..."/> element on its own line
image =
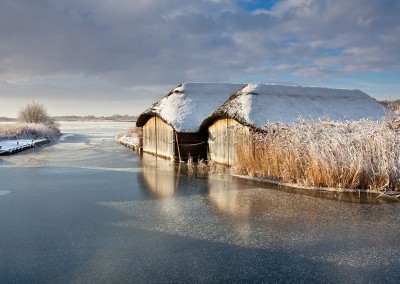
<point x="7" y="119"/>
<point x="115" y="117"/>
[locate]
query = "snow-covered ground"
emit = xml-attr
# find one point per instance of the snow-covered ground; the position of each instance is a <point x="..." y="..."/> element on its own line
<point x="129" y="141"/>
<point x="9" y="146"/>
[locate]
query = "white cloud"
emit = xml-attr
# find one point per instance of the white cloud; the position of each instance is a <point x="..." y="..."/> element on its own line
<point x="129" y="43"/>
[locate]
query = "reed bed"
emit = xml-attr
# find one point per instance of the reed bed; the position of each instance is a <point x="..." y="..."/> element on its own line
<point x="361" y="155"/>
<point x="29" y="131"/>
<point x="132" y="134"/>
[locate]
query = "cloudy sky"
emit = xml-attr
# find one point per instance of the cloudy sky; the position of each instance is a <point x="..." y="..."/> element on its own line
<point x="105" y="57"/>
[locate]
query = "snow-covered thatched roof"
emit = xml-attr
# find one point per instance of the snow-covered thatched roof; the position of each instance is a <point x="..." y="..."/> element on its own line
<point x="186" y="106"/>
<point x="259" y="104"/>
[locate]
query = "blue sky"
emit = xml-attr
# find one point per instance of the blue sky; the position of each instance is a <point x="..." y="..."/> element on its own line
<point x="105" y="57"/>
<point x="252" y="6"/>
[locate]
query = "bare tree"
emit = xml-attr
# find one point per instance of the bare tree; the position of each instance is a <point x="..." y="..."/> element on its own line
<point x="35" y="112"/>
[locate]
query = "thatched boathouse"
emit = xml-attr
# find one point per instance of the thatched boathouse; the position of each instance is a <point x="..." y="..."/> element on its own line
<point x="171" y="126"/>
<point x="256" y="105"/>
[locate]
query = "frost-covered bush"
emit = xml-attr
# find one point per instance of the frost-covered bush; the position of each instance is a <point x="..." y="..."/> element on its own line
<point x="35" y="112"/>
<point x="133" y="136"/>
<point x="28" y="131"/>
<point x="393" y="105"/>
<point x="356" y="155"/>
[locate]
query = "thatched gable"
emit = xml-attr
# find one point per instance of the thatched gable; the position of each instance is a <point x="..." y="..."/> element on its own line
<point x="186" y="106"/>
<point x="256" y="105"/>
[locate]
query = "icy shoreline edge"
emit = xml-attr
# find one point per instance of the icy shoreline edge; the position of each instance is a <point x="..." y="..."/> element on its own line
<point x="22" y="147"/>
<point x="392" y="194"/>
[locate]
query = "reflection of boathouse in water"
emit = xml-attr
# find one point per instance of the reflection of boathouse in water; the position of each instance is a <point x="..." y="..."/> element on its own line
<point x="237" y="199"/>
<point x="159" y="176"/>
<point x="205" y="120"/>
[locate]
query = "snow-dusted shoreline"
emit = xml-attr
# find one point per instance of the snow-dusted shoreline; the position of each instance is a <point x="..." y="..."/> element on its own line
<point x="16" y="137"/>
<point x="17" y="145"/>
<point x="297" y="185"/>
<point x="388" y="195"/>
<point x="130" y="142"/>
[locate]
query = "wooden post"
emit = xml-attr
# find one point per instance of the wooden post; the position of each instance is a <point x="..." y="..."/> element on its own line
<point x="177" y="146"/>
<point x="227" y="139"/>
<point x="156" y="133"/>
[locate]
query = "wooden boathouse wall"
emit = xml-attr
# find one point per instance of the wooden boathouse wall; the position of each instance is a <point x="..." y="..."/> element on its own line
<point x="162" y="140"/>
<point x="223" y="137"/>
<point x="158" y="138"/>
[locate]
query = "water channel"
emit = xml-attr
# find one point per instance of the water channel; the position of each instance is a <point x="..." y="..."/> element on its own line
<point x="86" y="209"/>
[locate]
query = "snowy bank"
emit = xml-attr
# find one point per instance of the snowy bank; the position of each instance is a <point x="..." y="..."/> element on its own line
<point x="16" y="131"/>
<point x="128" y="141"/>
<point x="13" y="146"/>
<point x="16" y="137"/>
<point x="130" y="138"/>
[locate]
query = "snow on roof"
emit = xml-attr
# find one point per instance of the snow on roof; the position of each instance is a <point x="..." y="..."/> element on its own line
<point x="259" y="104"/>
<point x="186" y="107"/>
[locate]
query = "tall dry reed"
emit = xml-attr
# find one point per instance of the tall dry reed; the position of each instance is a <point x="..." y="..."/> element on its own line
<point x="354" y="155"/>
